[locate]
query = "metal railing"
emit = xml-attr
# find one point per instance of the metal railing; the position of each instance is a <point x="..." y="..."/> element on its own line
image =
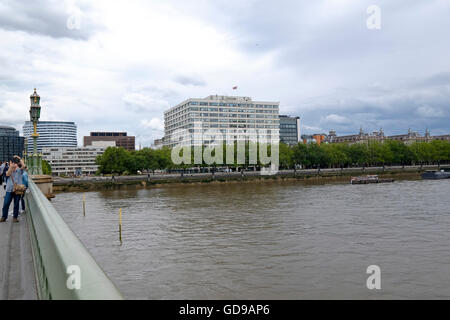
<point x="64" y="268"/>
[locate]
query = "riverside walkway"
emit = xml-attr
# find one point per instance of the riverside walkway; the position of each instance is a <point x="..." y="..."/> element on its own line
<point x="41" y="258"/>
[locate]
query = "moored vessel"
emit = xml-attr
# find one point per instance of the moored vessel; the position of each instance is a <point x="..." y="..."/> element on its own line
<point x="435" y="175"/>
<point x="369" y="179"/>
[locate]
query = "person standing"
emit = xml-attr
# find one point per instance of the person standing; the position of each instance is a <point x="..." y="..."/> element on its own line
<point x="25" y="183"/>
<point x="2" y="167"/>
<point x="3" y="173"/>
<point x="14" y="175"/>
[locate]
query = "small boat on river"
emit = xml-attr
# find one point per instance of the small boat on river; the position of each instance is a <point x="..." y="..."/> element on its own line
<point x="435" y="175"/>
<point x="369" y="179"/>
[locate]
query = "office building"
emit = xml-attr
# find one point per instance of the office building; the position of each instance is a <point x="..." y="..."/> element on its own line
<point x="234" y="118"/>
<point x="121" y="139"/>
<point x="51" y="134"/>
<point x="72" y="161"/>
<point x="158" y="143"/>
<point x="11" y="144"/>
<point x="289" y="130"/>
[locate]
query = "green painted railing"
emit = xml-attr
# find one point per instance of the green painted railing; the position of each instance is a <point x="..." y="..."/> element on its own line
<point x="64" y="268"/>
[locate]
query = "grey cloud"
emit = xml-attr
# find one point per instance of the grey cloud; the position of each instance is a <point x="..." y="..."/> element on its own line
<point x="190" y="81"/>
<point x="48" y="17"/>
<point x="395" y="109"/>
<point x="440" y="79"/>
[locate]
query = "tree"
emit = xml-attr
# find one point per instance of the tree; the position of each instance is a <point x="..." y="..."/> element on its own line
<point x="358" y="154"/>
<point x="300" y="156"/>
<point x="46" y="168"/>
<point x="114" y="160"/>
<point x="286" y="156"/>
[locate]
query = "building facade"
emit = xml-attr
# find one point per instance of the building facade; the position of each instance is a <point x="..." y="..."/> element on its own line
<point x="408" y="138"/>
<point x="158" y="143"/>
<point x="121" y="139"/>
<point x="51" y="134"/>
<point x="231" y="117"/>
<point x="72" y="161"/>
<point x="314" y="138"/>
<point x="289" y="130"/>
<point x="11" y="143"/>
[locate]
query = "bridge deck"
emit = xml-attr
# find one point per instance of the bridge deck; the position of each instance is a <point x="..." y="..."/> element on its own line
<point x="17" y="279"/>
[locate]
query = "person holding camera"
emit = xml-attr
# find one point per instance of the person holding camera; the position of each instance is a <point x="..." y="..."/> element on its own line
<point x="14" y="188"/>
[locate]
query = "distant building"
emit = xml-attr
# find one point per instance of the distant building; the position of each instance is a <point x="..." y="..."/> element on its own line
<point x="235" y="118"/>
<point x="289" y="130"/>
<point x="51" y="134"/>
<point x="314" y="138"/>
<point x="408" y="138"/>
<point x="354" y="138"/>
<point x="11" y="144"/>
<point x="72" y="161"/>
<point x="158" y="143"/>
<point x="121" y="139"/>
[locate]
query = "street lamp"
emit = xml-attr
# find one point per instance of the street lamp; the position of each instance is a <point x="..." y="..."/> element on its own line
<point x="35" y="113"/>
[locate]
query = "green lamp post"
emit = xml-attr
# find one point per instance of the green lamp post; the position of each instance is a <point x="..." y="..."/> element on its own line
<point x="35" y="112"/>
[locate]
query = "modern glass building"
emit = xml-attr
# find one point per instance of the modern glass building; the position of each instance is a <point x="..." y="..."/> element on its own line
<point x="51" y="134"/>
<point x="11" y="144"/>
<point x="289" y="130"/>
<point x="234" y="118"/>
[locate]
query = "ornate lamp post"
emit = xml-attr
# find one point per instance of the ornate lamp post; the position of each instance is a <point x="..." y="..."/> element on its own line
<point x="35" y="112"/>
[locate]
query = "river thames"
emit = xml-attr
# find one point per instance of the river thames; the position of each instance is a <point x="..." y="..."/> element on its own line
<point x="269" y="240"/>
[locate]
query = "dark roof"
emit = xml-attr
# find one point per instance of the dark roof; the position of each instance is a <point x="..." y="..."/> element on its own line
<point x="7" y="127"/>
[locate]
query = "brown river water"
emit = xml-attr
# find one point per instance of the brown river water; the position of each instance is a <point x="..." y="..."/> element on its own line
<point x="278" y="240"/>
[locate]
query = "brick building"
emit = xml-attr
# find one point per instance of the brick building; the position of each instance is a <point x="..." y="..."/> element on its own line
<point x="120" y="138"/>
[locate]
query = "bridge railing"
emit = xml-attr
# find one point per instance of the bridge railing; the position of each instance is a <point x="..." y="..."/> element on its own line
<point x="64" y="268"/>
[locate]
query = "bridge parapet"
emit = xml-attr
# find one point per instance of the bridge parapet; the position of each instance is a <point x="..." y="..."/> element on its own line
<point x="64" y="268"/>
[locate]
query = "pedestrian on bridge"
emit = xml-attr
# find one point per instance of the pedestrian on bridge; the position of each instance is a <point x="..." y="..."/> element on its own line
<point x="2" y="167"/>
<point x="25" y="183"/>
<point x="14" y="175"/>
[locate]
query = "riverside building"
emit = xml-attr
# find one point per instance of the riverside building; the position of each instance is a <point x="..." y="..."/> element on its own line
<point x="234" y="118"/>
<point x="51" y="134"/>
<point x="72" y="161"/>
<point x="289" y="130"/>
<point x="120" y="139"/>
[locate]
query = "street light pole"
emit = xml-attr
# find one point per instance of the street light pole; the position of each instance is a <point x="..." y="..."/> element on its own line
<point x="35" y="113"/>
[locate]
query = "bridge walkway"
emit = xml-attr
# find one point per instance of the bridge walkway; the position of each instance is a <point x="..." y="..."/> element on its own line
<point x="17" y="274"/>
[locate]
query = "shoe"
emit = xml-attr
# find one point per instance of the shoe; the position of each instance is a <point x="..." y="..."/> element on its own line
<point x="2" y="220"/>
<point x="15" y="220"/>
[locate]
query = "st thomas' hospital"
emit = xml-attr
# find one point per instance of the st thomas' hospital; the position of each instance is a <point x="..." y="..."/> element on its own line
<point x="216" y="120"/>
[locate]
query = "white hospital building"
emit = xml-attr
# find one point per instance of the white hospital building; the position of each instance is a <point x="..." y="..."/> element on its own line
<point x="234" y="118"/>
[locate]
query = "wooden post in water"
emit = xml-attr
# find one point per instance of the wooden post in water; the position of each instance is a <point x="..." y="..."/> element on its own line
<point x="120" y="225"/>
<point x="84" y="206"/>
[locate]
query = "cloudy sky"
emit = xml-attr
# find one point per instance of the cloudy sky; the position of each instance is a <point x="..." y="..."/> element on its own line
<point x="117" y="65"/>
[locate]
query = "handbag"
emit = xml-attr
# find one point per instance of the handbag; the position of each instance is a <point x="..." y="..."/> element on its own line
<point x="18" y="189"/>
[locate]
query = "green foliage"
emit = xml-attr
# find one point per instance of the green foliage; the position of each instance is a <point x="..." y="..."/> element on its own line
<point x="375" y="153"/>
<point x="46" y="168"/>
<point x="120" y="161"/>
